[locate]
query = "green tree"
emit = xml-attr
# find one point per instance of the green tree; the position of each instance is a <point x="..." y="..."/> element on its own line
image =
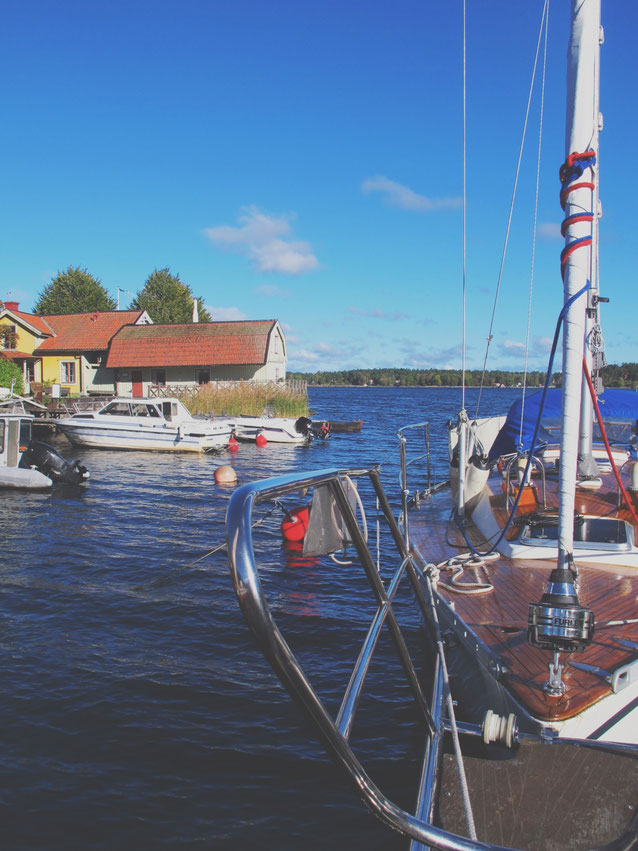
<point x="167" y="300"/>
<point x="73" y="291"/>
<point x="10" y="371"/>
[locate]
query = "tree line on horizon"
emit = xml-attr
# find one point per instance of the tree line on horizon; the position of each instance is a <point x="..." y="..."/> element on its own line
<point x="613" y="375"/>
<point x="165" y="298"/>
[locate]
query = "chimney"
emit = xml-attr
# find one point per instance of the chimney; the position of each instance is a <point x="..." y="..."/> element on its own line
<point x="195" y="311"/>
<point x="12" y="305"/>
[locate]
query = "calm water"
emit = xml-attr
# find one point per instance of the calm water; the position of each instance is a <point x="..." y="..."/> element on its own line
<point x="135" y="710"/>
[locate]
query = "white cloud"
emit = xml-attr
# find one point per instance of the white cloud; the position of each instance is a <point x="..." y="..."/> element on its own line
<point x="512" y="348"/>
<point x="267" y="241"/>
<point x="397" y="195"/>
<point x="549" y="230"/>
<point x="225" y="314"/>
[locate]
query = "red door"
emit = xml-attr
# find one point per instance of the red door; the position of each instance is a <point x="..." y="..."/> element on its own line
<point x="138" y="384"/>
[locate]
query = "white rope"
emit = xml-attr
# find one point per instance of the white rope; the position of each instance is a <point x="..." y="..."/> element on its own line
<point x="458" y="565"/>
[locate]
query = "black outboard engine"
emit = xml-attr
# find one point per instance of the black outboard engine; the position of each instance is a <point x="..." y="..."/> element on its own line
<point x="320" y="430"/>
<point x="304" y="426"/>
<point x="49" y="462"/>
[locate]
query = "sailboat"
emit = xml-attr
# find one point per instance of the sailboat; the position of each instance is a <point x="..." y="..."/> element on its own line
<point x="524" y="568"/>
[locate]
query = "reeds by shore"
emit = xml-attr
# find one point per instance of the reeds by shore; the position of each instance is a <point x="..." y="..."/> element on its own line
<point x="243" y="397"/>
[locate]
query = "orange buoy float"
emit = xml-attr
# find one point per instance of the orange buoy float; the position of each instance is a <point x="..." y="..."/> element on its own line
<point x="225" y="475"/>
<point x="260" y="440"/>
<point x="295" y="523"/>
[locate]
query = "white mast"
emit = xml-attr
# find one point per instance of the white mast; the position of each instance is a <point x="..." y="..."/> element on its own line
<point x="581" y="136"/>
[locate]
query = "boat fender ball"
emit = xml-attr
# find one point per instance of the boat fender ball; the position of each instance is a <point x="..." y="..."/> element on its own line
<point x="260" y="440"/>
<point x="295" y="524"/>
<point x="233" y="446"/>
<point x="225" y="475"/>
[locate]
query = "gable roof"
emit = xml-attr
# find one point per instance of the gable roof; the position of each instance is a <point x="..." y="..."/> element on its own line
<point x="193" y="344"/>
<point x="35" y="324"/>
<point x="85" y="332"/>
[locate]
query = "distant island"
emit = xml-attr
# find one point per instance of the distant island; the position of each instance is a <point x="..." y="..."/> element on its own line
<point x="613" y="375"/>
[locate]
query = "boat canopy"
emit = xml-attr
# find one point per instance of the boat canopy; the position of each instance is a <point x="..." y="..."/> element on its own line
<point x="619" y="409"/>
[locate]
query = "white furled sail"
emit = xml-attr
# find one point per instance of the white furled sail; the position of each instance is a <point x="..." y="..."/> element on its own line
<point x="578" y="196"/>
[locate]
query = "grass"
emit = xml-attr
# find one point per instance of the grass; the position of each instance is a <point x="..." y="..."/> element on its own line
<point x="244" y="398"/>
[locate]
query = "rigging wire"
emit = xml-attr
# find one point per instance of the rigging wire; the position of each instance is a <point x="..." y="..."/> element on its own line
<point x="490" y="335"/>
<point x="463" y="332"/>
<point x="534" y="229"/>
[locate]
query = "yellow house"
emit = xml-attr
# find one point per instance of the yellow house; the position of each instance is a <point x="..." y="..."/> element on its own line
<point x="67" y="350"/>
<point x="20" y="335"/>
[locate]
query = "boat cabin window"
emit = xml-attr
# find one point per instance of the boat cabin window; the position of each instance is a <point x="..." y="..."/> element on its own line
<point x="605" y="532"/>
<point x="169" y="409"/>
<point x="139" y="410"/>
<point x="25" y="434"/>
<point x="118" y="409"/>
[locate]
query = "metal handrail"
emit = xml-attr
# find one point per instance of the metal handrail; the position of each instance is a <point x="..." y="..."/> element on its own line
<point x="334" y="734"/>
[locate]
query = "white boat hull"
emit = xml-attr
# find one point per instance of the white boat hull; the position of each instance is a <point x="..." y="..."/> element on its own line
<point x="112" y="436"/>
<point x="20" y="478"/>
<point x="273" y="429"/>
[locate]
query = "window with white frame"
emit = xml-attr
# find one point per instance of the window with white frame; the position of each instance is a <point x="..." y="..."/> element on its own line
<point x="8" y="337"/>
<point x="67" y="372"/>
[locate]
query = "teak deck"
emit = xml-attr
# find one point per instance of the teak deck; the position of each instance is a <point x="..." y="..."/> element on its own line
<point x="499" y="618"/>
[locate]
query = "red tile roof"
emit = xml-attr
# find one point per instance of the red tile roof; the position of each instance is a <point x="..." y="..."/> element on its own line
<point x="14" y="354"/>
<point x="38" y="322"/>
<point x="82" y="332"/>
<point x="198" y="344"/>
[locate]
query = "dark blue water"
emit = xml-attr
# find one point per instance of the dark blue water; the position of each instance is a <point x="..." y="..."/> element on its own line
<point x="136" y="710"/>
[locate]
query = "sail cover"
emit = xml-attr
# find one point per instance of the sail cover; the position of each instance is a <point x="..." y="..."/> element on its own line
<point x="619" y="409"/>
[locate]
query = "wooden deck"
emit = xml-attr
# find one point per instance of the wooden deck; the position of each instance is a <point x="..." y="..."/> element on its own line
<point x="499" y="618"/>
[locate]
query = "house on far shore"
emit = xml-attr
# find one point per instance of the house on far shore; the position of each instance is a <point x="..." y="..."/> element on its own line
<point x="143" y="356"/>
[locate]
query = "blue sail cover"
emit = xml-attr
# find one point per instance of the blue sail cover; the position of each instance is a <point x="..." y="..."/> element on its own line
<point x="619" y="410"/>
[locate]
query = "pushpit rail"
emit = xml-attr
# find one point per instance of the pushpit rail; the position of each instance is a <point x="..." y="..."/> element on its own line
<point x="334" y="733"/>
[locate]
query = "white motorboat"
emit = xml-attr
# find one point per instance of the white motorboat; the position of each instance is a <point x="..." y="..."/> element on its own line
<point x="278" y="429"/>
<point x="145" y="423"/>
<point x="28" y="464"/>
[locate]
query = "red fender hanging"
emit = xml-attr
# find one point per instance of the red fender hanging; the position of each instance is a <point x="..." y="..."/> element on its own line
<point x="295" y="523"/>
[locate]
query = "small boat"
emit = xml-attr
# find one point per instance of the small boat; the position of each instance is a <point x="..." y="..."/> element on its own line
<point x="336" y="427"/>
<point x="145" y="423"/>
<point x="278" y="429"/>
<point x="28" y="464"/>
<point x="523" y="566"/>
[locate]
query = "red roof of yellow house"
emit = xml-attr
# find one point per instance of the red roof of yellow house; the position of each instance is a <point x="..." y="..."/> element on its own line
<point x="193" y="344"/>
<point x="38" y="322"/>
<point x="81" y="332"/>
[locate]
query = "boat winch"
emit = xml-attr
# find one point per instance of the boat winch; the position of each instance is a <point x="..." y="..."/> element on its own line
<point x="559" y="623"/>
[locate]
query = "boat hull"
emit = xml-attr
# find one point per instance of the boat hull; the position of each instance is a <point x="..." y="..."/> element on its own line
<point x="143" y="438"/>
<point x="19" y="478"/>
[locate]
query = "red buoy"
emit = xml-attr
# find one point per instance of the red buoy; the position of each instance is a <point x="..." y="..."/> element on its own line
<point x="260" y="440"/>
<point x="295" y="523"/>
<point x="233" y="446"/>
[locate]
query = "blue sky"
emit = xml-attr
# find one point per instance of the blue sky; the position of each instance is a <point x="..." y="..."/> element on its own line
<point x="302" y="160"/>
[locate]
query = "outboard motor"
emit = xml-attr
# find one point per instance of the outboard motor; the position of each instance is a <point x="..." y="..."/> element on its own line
<point x="49" y="462"/>
<point x="303" y="426"/>
<point x="320" y="430"/>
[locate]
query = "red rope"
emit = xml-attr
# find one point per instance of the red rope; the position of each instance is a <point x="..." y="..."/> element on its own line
<point x="601" y="425"/>
<point x="565" y="192"/>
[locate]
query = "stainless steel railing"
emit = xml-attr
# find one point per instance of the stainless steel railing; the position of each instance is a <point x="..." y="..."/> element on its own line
<point x="335" y="732"/>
